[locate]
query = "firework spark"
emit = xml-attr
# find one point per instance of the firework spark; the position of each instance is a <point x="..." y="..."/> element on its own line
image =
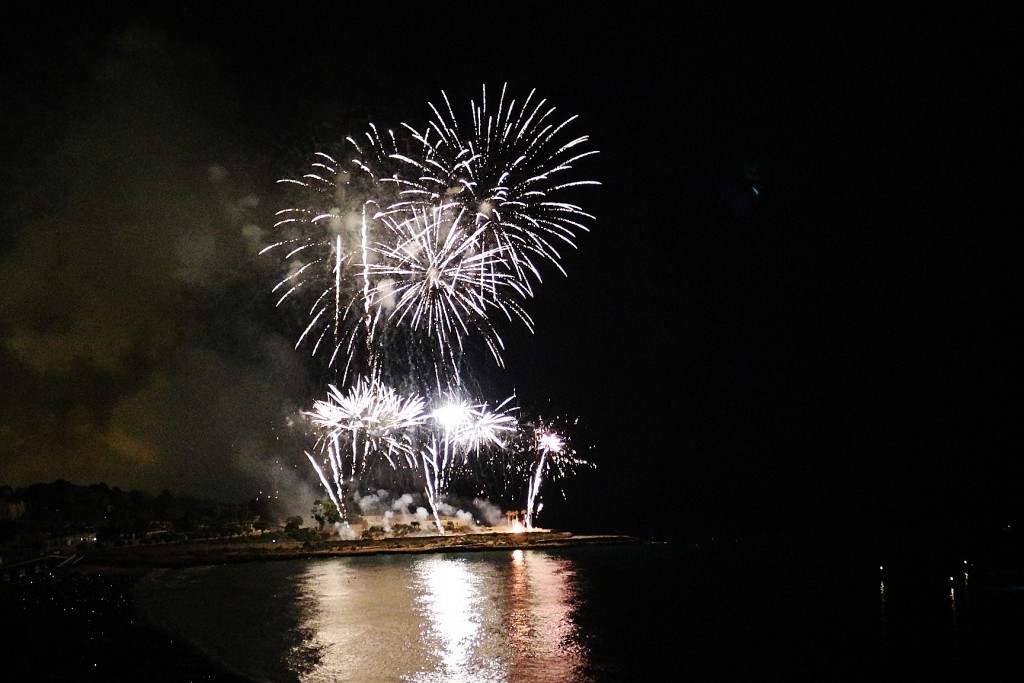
<point x="431" y="232"/>
<point x="437" y="278"/>
<point x="459" y="431"/>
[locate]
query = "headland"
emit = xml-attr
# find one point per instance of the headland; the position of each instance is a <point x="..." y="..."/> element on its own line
<point x="222" y="551"/>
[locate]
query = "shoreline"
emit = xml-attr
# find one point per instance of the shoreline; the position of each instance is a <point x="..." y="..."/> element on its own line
<point x="106" y="560"/>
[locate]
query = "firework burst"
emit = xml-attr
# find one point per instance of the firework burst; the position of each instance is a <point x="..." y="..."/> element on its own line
<point x="507" y="166"/>
<point x="430" y="233"/>
<point x="543" y="452"/>
<point x="460" y="431"/>
<point x="325" y="247"/>
<point x="436" y="277"/>
<point x="370" y="422"/>
<point x="404" y="247"/>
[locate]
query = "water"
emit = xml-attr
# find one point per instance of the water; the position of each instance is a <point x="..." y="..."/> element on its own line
<point x="592" y="614"/>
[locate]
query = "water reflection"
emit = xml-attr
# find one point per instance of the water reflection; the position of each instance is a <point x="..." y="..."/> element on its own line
<point x="481" y="617"/>
<point x="459" y="616"/>
<point x="359" y="623"/>
<point x="543" y="635"/>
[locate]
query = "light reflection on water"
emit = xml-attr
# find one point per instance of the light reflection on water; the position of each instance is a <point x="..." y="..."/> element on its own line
<point x="459" y="616"/>
<point x="542" y="629"/>
<point x="440" y="618"/>
<point x="348" y="618"/>
<point x="591" y="615"/>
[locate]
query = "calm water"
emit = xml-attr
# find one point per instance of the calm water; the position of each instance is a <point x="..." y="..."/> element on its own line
<point x="598" y="614"/>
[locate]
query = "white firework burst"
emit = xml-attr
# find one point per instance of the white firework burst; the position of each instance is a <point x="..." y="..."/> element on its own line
<point x="406" y="246"/>
<point x="443" y="281"/>
<point x="508" y="166"/>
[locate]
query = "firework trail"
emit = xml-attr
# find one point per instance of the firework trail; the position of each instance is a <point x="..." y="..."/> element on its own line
<point x="548" y="445"/>
<point x="543" y="452"/>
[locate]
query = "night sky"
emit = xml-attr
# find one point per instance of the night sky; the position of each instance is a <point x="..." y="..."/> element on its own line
<point x="796" y="307"/>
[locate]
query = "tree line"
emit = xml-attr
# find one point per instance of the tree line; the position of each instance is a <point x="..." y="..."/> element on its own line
<point x="61" y="509"/>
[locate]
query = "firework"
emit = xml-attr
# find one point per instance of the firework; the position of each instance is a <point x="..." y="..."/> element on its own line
<point x="436" y="277"/>
<point x="370" y="421"/>
<point x="406" y="244"/>
<point x="544" y="452"/>
<point x="325" y="244"/>
<point x="508" y="167"/>
<point x="459" y="431"/>
<point x="548" y="445"/>
<point x="428" y="235"/>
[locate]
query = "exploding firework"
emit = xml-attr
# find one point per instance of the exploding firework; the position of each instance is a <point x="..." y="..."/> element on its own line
<point x="460" y="431"/>
<point x="543" y="452"/>
<point x="372" y="425"/>
<point x="508" y="167"/>
<point x="436" y="277"/>
<point x="429" y="234"/>
<point x="548" y="448"/>
<point x="406" y="246"/>
<point x="540" y="453"/>
<point x="371" y="421"/>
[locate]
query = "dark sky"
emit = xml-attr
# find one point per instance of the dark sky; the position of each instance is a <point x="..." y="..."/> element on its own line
<point x="797" y="300"/>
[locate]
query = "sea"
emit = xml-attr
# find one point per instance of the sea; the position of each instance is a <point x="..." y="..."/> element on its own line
<point x="646" y="611"/>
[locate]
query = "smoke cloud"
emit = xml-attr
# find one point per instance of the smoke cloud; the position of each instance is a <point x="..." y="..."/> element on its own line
<point x="137" y="338"/>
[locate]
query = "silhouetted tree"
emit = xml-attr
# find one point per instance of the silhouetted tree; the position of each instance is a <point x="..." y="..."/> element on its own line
<point x="325" y="512"/>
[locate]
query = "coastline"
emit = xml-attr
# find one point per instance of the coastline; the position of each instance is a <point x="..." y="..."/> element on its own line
<point x="247" y="550"/>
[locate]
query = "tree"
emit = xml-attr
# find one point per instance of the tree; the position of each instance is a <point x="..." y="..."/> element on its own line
<point x="324" y="512"/>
